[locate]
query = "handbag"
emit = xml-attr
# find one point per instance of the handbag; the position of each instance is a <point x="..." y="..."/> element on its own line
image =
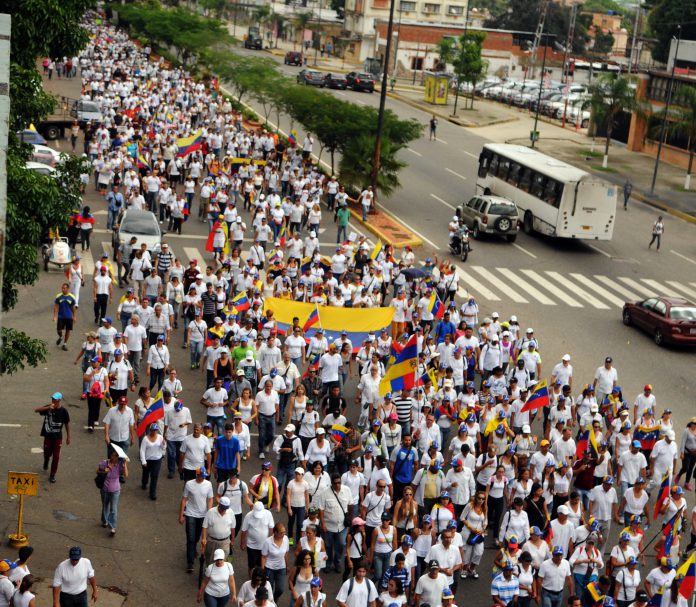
<point x="347" y="520"/>
<point x="99" y="481"/>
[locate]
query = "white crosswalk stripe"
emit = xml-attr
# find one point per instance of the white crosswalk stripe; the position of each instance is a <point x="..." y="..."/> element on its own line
<point x="684" y="289"/>
<point x="540" y="280"/>
<point x="662" y="290"/>
<point x="474" y="284"/>
<point x="612" y="284"/>
<point x="527" y="288"/>
<point x="87" y="262"/>
<point x="592" y="286"/>
<point x="636" y="286"/>
<point x="193" y="253"/>
<point x="593" y="301"/>
<point x="499" y="284"/>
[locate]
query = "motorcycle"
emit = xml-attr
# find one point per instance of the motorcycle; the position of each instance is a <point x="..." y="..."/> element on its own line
<point x="459" y="243"/>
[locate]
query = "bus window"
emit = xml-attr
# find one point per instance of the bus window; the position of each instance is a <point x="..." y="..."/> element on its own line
<point x="503" y="168"/>
<point x="493" y="168"/>
<point x="538" y="183"/>
<point x="553" y="192"/>
<point x="513" y="176"/>
<point x="484" y="161"/>
<point x="525" y="179"/>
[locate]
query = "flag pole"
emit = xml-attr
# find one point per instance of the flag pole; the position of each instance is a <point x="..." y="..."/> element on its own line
<point x="654" y="537"/>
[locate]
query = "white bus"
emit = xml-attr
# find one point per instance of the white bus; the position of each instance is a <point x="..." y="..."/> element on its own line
<point x="553" y="197"/>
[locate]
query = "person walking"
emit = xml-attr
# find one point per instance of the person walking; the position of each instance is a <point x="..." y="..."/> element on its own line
<point x="64" y="306"/>
<point x="218" y="584"/>
<point x="658" y="230"/>
<point x="71" y="578"/>
<point x="110" y="471"/>
<point x="196" y="501"/>
<point x="151" y="454"/>
<point x="627" y="189"/>
<point x="433" y="128"/>
<point x="176" y="422"/>
<point x="217" y="527"/>
<point x="55" y="418"/>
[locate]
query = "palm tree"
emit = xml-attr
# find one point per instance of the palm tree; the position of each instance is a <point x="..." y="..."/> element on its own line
<point x="261" y="15"/>
<point x="279" y="21"/>
<point x="302" y="21"/>
<point x="609" y="97"/>
<point x="682" y="121"/>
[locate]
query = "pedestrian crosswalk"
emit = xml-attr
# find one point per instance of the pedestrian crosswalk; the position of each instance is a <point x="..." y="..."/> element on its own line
<point x="523" y="286"/>
<point x="553" y="288"/>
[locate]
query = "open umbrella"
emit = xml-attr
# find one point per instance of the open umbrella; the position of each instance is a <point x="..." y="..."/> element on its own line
<point x="120" y="451"/>
<point x="414" y="273"/>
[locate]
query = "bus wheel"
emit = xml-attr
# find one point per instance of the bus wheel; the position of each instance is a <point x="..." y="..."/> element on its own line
<point x="528" y="222"/>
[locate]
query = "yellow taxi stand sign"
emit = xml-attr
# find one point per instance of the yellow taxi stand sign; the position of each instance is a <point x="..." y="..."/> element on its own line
<point x="22" y="484"/>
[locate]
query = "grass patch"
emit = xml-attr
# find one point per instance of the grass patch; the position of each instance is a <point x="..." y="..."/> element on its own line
<point x="590" y="153"/>
<point x="683" y="189"/>
<point x="601" y="168"/>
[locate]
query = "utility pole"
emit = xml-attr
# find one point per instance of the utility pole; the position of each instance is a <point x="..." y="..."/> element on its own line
<point x="398" y="39"/>
<point x="5" y="34"/>
<point x="538" y="106"/>
<point x="316" y="48"/>
<point x="535" y="44"/>
<point x="633" y="40"/>
<point x="569" y="41"/>
<point x="382" y="101"/>
<point x="663" y="128"/>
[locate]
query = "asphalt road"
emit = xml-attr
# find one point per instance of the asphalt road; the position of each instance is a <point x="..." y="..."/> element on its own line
<point x="146" y="557"/>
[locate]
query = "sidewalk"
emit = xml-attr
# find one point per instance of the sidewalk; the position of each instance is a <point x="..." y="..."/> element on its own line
<point x="504" y="124"/>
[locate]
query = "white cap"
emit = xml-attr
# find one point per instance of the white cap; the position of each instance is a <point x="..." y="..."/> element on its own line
<point x="290" y="428"/>
<point x="513" y="318"/>
<point x="495" y="315"/>
<point x="526" y="429"/>
<point x="670" y="434"/>
<point x="594" y="408"/>
<point x="250" y="356"/>
<point x="299" y="470"/>
<point x="530" y="330"/>
<point x="320" y="431"/>
<point x="563" y="509"/>
<point x="312" y="233"/>
<point x="219" y="555"/>
<point x="566" y="357"/>
<point x="455" y="218"/>
<point x="257" y="511"/>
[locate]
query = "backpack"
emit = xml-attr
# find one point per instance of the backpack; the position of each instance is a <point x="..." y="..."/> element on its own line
<point x="370" y="586"/>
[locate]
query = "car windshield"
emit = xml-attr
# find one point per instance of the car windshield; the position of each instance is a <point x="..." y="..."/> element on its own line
<point x="682" y="313"/>
<point x="498" y="208"/>
<point x="140" y="224"/>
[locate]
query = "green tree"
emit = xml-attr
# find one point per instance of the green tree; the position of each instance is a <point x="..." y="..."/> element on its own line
<point x="603" y="43"/>
<point x="681" y="122"/>
<point x="355" y="166"/>
<point x="261" y="15"/>
<point x="468" y="64"/>
<point x="610" y="96"/>
<point x="664" y="19"/>
<point x="446" y="48"/>
<point x="302" y="21"/>
<point x="35" y="203"/>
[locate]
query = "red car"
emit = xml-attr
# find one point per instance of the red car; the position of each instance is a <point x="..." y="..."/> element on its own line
<point x="667" y="319"/>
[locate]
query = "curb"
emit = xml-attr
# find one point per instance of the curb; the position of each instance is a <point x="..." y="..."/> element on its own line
<point x="413" y="241"/>
<point x="663" y="207"/>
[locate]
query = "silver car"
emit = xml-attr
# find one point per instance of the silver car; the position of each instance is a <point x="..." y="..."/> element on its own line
<point x="490" y="215"/>
<point x="141" y="224"/>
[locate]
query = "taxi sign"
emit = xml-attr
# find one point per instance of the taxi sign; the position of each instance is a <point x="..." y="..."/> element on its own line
<point x="22" y="483"/>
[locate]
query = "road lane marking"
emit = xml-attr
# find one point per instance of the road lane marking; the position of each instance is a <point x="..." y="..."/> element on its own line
<point x="519" y="248"/>
<point x="684" y="257"/>
<point x="341" y="94"/>
<point x="472" y="283"/>
<point x="527" y="288"/>
<point x="661" y="289"/>
<point x="108" y="250"/>
<point x="677" y="285"/>
<point x="470" y="154"/>
<point x="540" y="280"/>
<point x="598" y="250"/>
<point x="593" y="301"/>
<point x="10" y="425"/>
<point x="414" y="152"/>
<point x="192" y="253"/>
<point x="442" y="141"/>
<point x="612" y="284"/>
<point x="636" y="286"/>
<point x="87" y="261"/>
<point x="499" y="284"/>
<point x="588" y="284"/>
<point x="447" y="204"/>
<point x="455" y="173"/>
<point x="416" y="232"/>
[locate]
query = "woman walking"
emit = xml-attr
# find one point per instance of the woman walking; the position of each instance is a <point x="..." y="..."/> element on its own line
<point x="152" y="450"/>
<point x="658" y="230"/>
<point x="275" y="559"/>
<point x="110" y="472"/>
<point x="218" y="585"/>
<point x="687" y="451"/>
<point x="86" y="221"/>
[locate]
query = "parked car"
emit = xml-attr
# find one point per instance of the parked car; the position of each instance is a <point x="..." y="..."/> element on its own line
<point x="490" y="215"/>
<point x="40" y="168"/>
<point x="46" y="155"/>
<point x="361" y="81"/>
<point x="313" y="77"/>
<point x="141" y="224"/>
<point x="31" y="136"/>
<point x="336" y="81"/>
<point x="294" y="58"/>
<point x="667" y="319"/>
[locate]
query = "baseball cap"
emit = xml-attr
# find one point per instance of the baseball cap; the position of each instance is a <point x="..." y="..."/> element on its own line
<point x="557" y="550"/>
<point x="224" y="503"/>
<point x="315" y="582"/>
<point x="7" y="565"/>
<point x="57" y="396"/>
<point x="266" y="465"/>
<point x="75" y="553"/>
<point x="536" y="531"/>
<point x="526" y="429"/>
<point x="433" y="564"/>
<point x="407" y="539"/>
<point x="636" y="444"/>
<point x="290" y="428"/>
<point x="219" y="554"/>
<point x="201" y="472"/>
<point x="446" y="593"/>
<point x="642" y="596"/>
<point x="625" y="536"/>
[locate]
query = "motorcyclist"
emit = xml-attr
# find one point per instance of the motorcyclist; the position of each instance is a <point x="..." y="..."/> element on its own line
<point x="453" y="228"/>
<point x="457" y="230"/>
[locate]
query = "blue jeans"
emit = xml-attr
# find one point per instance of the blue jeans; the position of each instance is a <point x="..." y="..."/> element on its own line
<point x="342" y="230"/>
<point x="277" y="578"/>
<point x="110" y="507"/>
<point x="285" y="474"/>
<point x="215" y="601"/>
<point x="336" y="546"/>
<point x="125" y="320"/>
<point x="173" y="447"/>
<point x="585" y="497"/>
<point x="266" y="430"/>
<point x="380" y="564"/>
<point x="194" y="528"/>
<point x="295" y="520"/>
<point x="196" y="351"/>
<point x="551" y="599"/>
<point x="216" y="422"/>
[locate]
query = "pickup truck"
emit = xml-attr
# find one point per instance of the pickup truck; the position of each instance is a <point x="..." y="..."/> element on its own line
<point x="68" y="110"/>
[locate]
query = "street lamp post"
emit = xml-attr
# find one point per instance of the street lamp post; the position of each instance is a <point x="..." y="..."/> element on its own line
<point x="316" y="48"/>
<point x="398" y="37"/>
<point x="663" y="128"/>
<point x="382" y="100"/>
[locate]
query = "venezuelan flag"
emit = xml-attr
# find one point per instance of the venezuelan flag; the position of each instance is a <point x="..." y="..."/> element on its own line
<point x="241" y="302"/>
<point x="292" y="137"/>
<point x="656" y="599"/>
<point x="688" y="572"/>
<point x="312" y="320"/>
<point x="435" y="306"/>
<point x="273" y="258"/>
<point x="213" y="333"/>
<point x="282" y="235"/>
<point x="338" y="432"/>
<point x="154" y="412"/>
<point x="647" y="435"/>
<point x="538" y="398"/>
<point x="430" y="375"/>
<point x="595" y="593"/>
<point x="169" y="119"/>
<point x="313" y="364"/>
<point x="188" y="145"/>
<point x="306" y="264"/>
<point x="377" y="250"/>
<point x="402" y="374"/>
<point x="218" y="225"/>
<point x="671" y="532"/>
<point x="143" y="164"/>
<point x="662" y="495"/>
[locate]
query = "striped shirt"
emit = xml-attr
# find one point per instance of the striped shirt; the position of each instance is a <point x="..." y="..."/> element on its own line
<point x="158" y="324"/>
<point x="403" y="408"/>
<point x="164" y="260"/>
<point x="505" y="590"/>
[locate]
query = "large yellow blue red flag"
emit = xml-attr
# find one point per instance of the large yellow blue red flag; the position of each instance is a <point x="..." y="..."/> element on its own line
<point x="402" y="374"/>
<point x="688" y="574"/>
<point x="187" y="145"/>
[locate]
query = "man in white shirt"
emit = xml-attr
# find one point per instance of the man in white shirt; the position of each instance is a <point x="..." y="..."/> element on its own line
<point x="645" y="400"/>
<point x="215" y="399"/>
<point x="194" y="454"/>
<point x="268" y="405"/>
<point x="176" y="423"/>
<point x="447" y="555"/>
<point x="563" y="530"/>
<point x="605" y="379"/>
<point x="430" y="586"/>
<point x="563" y="371"/>
<point x="663" y="458"/>
<point x="333" y="503"/>
<point x="553" y="576"/>
<point x="71" y="578"/>
<point x="217" y="528"/>
<point x="603" y="505"/>
<point x="257" y="526"/>
<point x="119" y="425"/>
<point x="329" y="368"/>
<point x="196" y="500"/>
<point x="631" y="465"/>
<point x="357" y="591"/>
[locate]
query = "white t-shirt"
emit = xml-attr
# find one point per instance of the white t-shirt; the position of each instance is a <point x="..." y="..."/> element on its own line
<point x="275" y="555"/>
<point x="195" y="450"/>
<point x="602" y="502"/>
<point x="257" y="528"/>
<point x="214" y="396"/>
<point x="362" y="594"/>
<point x="218" y="579"/>
<point x="197" y="495"/>
<point x="554" y="577"/>
<point x="329" y="366"/>
<point x="430" y="590"/>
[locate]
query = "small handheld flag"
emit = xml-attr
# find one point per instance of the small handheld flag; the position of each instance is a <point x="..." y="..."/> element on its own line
<point x="688" y="572"/>
<point x="154" y="412"/>
<point x="241" y="302"/>
<point x="312" y="320"/>
<point x="292" y="138"/>
<point x="539" y="397"/>
<point x="662" y="495"/>
<point x="435" y="306"/>
<point x="376" y="251"/>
